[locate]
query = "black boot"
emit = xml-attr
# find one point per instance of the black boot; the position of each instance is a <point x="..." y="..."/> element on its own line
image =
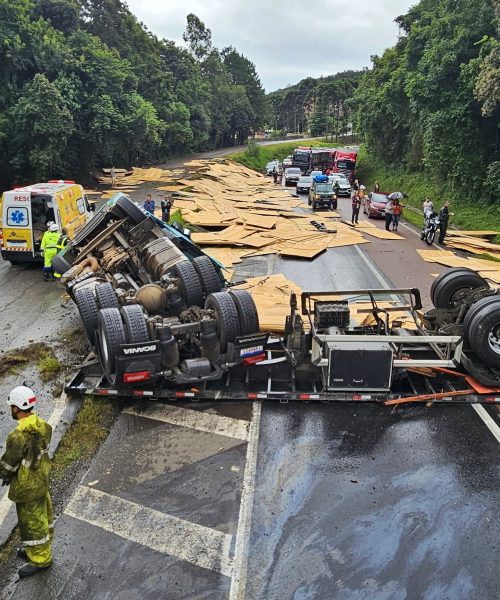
<point x="29" y="570"/>
<point x="21" y="553"/>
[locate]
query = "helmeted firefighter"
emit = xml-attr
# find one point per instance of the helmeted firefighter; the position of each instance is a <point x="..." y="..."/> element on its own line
<point x="25" y="467"/>
<point x="52" y="242"/>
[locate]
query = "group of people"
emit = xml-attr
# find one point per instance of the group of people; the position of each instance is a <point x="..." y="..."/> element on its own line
<point x="443" y="214"/>
<point x="166" y="206"/>
<point x="393" y="212"/>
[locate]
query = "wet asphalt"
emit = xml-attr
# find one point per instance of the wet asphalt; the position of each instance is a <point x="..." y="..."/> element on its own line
<point x="350" y="502"/>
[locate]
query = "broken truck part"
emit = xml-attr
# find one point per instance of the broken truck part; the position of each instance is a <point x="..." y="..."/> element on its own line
<point x="163" y="324"/>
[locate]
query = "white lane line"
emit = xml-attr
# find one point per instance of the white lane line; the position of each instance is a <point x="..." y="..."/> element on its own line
<point x="199" y="545"/>
<point x="487" y="420"/>
<point x="417" y="233"/>
<point x="53" y="420"/>
<point x="372" y="268"/>
<point x="239" y="579"/>
<point x="201" y="421"/>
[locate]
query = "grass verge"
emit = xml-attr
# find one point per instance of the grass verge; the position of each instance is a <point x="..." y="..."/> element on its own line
<point x="47" y="363"/>
<point x="469" y="213"/>
<point x="88" y="431"/>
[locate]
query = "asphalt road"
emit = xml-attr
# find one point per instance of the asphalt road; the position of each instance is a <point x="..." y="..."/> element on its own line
<point x="288" y="501"/>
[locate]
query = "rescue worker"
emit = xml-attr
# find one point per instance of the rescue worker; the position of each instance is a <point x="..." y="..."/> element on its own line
<point x="25" y="467"/>
<point x="49" y="248"/>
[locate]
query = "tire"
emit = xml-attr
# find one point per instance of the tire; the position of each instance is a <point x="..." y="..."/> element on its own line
<point x="129" y="209"/>
<point x="247" y="311"/>
<point x="60" y="264"/>
<point x="446" y="290"/>
<point x="474" y="309"/>
<point x="106" y="296"/>
<point x="112" y="336"/>
<point x="87" y="307"/>
<point x="484" y="334"/>
<point x="136" y="328"/>
<point x="190" y="285"/>
<point x="430" y="236"/>
<point x="445" y="275"/>
<point x="207" y="273"/>
<point x="228" y="322"/>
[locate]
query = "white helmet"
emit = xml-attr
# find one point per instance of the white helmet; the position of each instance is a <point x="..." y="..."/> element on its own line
<point x="53" y="227"/>
<point x="49" y="223"/>
<point x="22" y="397"/>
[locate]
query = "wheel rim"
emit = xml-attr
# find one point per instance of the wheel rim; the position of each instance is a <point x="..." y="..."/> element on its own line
<point x="494" y="339"/>
<point x="105" y="351"/>
<point x="456" y="297"/>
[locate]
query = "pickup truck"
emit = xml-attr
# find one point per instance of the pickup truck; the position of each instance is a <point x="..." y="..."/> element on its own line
<point x="321" y="193"/>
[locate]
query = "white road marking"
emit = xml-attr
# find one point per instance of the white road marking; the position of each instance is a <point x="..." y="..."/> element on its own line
<point x="372" y="268"/>
<point x="201" y="421"/>
<point x="199" y="545"/>
<point x="239" y="579"/>
<point x="487" y="420"/>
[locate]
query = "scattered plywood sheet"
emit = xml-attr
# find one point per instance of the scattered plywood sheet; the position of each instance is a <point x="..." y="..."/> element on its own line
<point x="382" y="234"/>
<point x="461" y="233"/>
<point x="260" y="221"/>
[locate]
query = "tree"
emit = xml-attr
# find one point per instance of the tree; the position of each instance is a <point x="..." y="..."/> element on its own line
<point x="198" y="37"/>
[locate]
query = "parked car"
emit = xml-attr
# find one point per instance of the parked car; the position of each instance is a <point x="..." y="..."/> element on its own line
<point x="287" y="162"/>
<point x="344" y="185"/>
<point x="292" y="175"/>
<point x="374" y="204"/>
<point x="322" y="194"/>
<point x="274" y="164"/>
<point x="304" y="184"/>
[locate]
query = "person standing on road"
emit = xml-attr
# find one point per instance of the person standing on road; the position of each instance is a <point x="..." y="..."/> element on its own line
<point x="355" y="188"/>
<point x="50" y="246"/>
<point x="389" y="213"/>
<point x="149" y="204"/>
<point x="113" y="176"/>
<point x="376" y="187"/>
<point x="166" y="205"/>
<point x="356" y="203"/>
<point x="397" y="211"/>
<point x="275" y="175"/>
<point x="25" y="468"/>
<point x="444" y="218"/>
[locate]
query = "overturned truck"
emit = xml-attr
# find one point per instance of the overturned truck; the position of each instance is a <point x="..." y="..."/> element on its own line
<point x="163" y="323"/>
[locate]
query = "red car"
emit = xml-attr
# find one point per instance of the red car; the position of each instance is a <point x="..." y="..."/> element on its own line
<point x="374" y="205"/>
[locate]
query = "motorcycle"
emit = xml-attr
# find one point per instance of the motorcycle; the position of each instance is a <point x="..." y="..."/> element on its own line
<point x="430" y="229"/>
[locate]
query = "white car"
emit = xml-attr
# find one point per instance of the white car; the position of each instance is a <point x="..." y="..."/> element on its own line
<point x="292" y="175"/>
<point x="344" y="185"/>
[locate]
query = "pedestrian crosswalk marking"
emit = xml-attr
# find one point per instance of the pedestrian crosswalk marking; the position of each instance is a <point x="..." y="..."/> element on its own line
<point x="202" y="546"/>
<point x="201" y="421"/>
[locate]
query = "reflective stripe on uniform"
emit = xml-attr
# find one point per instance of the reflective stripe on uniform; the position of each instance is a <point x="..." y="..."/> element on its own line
<point x="44" y="540"/>
<point x="51" y="525"/>
<point x="6" y="466"/>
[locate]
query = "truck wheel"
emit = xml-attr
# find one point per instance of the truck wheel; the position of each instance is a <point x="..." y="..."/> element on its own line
<point x="474" y="309"/>
<point x="484" y="334"/>
<point x="189" y="283"/>
<point x="106" y="296"/>
<point x="228" y="322"/>
<point x="247" y="311"/>
<point x="447" y="292"/>
<point x="87" y="307"/>
<point x="444" y="275"/>
<point x="136" y="328"/>
<point x="210" y="280"/>
<point x="125" y="207"/>
<point x="111" y="337"/>
<point x="60" y="264"/>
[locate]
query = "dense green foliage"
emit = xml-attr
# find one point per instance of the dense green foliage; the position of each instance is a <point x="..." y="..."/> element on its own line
<point x="320" y="106"/>
<point x="431" y="104"/>
<point x="84" y="84"/>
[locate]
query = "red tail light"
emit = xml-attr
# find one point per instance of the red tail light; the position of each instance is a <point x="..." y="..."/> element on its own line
<point x="251" y="360"/>
<point x="137" y="376"/>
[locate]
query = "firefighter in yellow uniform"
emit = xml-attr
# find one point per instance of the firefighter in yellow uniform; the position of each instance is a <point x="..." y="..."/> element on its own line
<point x="52" y="242"/>
<point x="25" y="467"/>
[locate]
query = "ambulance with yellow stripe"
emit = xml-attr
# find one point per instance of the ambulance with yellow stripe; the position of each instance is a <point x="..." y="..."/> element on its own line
<point x="25" y="212"/>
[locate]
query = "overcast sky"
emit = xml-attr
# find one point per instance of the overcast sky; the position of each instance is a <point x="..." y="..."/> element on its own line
<point x="287" y="40"/>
